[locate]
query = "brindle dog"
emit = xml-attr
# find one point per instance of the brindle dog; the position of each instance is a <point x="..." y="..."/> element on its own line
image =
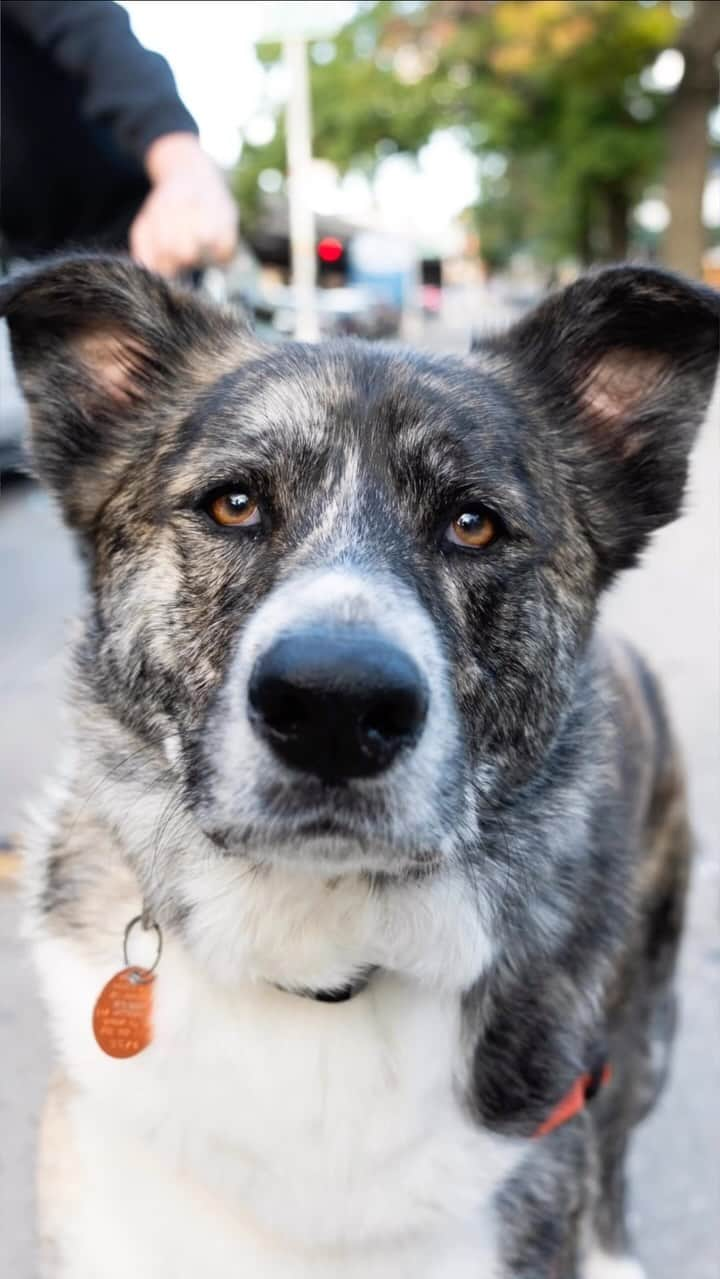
<point x="345" y="730"/>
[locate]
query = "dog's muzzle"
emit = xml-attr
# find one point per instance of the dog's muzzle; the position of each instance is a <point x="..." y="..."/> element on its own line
<point x="337" y="702"/>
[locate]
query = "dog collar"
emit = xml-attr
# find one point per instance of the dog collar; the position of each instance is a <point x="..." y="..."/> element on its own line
<point x="338" y="994"/>
<point x="576" y="1099"/>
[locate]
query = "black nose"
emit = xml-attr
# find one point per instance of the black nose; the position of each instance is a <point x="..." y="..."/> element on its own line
<point x="338" y="703"/>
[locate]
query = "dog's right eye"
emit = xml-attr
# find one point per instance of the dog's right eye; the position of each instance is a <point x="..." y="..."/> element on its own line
<point x="234" y="509"/>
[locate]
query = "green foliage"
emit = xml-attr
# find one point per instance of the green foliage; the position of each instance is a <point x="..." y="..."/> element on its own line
<point x="553" y="85"/>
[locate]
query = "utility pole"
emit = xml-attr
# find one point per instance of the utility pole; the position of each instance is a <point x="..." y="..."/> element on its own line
<point x="294" y="24"/>
<point x="302" y="218"/>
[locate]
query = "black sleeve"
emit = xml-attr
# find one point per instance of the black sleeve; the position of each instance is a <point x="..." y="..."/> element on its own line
<point x="123" y="85"/>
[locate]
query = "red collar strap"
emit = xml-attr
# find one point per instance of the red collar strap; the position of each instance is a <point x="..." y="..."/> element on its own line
<point x="582" y="1091"/>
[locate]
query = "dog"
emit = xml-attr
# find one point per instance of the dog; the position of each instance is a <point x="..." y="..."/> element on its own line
<point x="394" y="838"/>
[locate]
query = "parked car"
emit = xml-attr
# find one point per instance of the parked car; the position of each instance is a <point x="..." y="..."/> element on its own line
<point x="345" y="311"/>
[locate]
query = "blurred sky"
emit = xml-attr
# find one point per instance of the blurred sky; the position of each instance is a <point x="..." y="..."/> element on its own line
<point x="210" y="47"/>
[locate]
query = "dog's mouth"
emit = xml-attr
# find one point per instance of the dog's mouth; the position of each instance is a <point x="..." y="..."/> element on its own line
<point x="331" y="842"/>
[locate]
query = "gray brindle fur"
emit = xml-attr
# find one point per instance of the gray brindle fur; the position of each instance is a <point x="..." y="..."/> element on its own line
<point x="522" y="861"/>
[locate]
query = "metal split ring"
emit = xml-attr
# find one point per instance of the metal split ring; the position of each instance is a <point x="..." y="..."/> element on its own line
<point x="147" y="924"/>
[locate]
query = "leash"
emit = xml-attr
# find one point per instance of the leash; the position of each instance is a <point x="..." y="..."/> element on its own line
<point x="586" y="1087"/>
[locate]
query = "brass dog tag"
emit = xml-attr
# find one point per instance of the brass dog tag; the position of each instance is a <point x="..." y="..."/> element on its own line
<point x="122" y="1018"/>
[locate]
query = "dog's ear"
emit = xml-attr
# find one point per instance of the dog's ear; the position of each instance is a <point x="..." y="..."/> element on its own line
<point x="103" y="349"/>
<point x="622" y="364"/>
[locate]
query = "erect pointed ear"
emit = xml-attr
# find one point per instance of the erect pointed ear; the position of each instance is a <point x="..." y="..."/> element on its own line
<point x="621" y="364"/>
<point x="104" y="352"/>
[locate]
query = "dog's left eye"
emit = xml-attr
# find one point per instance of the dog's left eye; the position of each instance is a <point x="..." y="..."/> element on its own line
<point x="472" y="529"/>
<point x="234" y="509"/>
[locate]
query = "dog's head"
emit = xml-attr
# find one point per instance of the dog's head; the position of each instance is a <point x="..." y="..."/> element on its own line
<point x="344" y="591"/>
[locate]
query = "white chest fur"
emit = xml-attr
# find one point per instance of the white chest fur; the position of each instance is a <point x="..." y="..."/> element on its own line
<point x="267" y="1135"/>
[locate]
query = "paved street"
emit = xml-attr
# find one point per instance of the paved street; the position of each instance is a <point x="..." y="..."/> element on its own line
<point x="670" y="607"/>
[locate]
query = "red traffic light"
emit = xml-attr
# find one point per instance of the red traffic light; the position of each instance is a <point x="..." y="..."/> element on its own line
<point x="330" y="249"/>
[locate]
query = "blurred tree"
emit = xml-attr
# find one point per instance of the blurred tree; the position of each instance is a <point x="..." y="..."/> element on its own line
<point x="688" y="139"/>
<point x="552" y="90"/>
<point x="557" y="85"/>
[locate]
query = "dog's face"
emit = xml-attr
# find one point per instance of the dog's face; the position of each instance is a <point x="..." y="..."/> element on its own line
<point x="344" y="591"/>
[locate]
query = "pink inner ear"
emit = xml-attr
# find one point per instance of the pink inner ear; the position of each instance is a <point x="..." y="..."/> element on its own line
<point x="115" y="362"/>
<point x="619" y="383"/>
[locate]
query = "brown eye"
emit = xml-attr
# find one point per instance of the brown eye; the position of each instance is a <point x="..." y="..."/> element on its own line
<point x="474" y="529"/>
<point x="234" y="510"/>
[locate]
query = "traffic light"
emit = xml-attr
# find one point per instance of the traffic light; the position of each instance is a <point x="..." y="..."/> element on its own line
<point x="330" y="250"/>
<point x="332" y="261"/>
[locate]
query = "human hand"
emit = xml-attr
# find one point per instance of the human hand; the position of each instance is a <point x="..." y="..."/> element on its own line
<point x="189" y="219"/>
